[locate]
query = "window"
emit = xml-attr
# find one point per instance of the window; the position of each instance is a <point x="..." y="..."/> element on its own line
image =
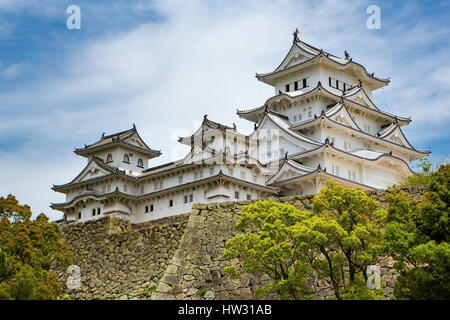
<point x="300" y="117"/>
<point x="309" y="112"/>
<point x="180" y="179"/>
<point x="140" y="163"/>
<point x="353" y="176"/>
<point x="236" y="194"/>
<point x="212" y="139"/>
<point x="160" y="184"/>
<point x="349" y="175"/>
<point x="191" y="197"/>
<point x="109" y="158"/>
<point x="126" y="158"/>
<point x="103" y="189"/>
<point x="211" y="171"/>
<point x="109" y="187"/>
<point x="295" y="85"/>
<point x="156" y="185"/>
<point x="93" y="212"/>
<point x="186" y="198"/>
<point x="79" y="215"/>
<point x="125" y="188"/>
<point x="170" y="203"/>
<point x="98" y="211"/>
<point x="329" y="82"/>
<point x="195" y="175"/>
<point x="249" y="197"/>
<point x="295" y="119"/>
<point x="146" y="209"/>
<point x="347" y="145"/>
<point x="151" y="208"/>
<point x="335" y="170"/>
<point x="304" y="83"/>
<point x="200" y="174"/>
<point x="142" y="189"/>
<point x="287" y="87"/>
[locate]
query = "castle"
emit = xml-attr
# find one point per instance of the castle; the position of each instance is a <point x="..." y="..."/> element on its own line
<point x="321" y="124"/>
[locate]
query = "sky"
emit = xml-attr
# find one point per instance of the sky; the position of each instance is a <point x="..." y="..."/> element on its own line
<point x="162" y="65"/>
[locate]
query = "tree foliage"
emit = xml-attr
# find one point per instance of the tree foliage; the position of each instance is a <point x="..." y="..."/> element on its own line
<point x="423" y="176"/>
<point x="296" y="249"/>
<point x="417" y="237"/>
<point x="27" y="250"/>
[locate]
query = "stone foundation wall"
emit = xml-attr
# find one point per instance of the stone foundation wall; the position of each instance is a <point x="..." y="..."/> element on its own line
<point x="196" y="269"/>
<point x="180" y="256"/>
<point x="117" y="258"/>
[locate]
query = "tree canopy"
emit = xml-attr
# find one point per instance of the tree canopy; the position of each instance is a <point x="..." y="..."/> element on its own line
<point x="417" y="236"/>
<point x="297" y="249"/>
<point x="28" y="248"/>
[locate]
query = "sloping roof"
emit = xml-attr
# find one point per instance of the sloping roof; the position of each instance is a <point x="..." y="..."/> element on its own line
<point x="291" y="164"/>
<point x="94" y="160"/>
<point x="281" y="122"/>
<point x="220" y="176"/>
<point x="316" y="54"/>
<point x="254" y="113"/>
<point x="323" y="116"/>
<point x="325" y="174"/>
<point x="120" y="138"/>
<point x="209" y="124"/>
<point x="364" y="154"/>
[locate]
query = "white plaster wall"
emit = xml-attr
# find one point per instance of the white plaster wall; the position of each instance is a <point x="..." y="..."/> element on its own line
<point x="312" y="73"/>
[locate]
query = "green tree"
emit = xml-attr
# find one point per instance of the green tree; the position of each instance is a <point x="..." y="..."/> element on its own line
<point x="360" y="243"/>
<point x="27" y="250"/>
<point x="270" y="247"/>
<point x="426" y="169"/>
<point x="417" y="237"/>
<point x="297" y="248"/>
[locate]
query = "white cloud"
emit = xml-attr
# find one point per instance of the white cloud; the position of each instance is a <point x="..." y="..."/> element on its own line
<point x="201" y="59"/>
<point x="12" y="71"/>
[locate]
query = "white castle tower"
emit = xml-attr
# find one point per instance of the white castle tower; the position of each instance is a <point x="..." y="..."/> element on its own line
<point x="321" y="124"/>
<point x="329" y="127"/>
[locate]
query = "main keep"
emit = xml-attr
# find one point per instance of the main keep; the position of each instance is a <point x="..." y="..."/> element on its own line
<point x="321" y="124"/>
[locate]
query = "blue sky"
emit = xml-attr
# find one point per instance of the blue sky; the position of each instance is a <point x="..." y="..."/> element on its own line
<point x="163" y="64"/>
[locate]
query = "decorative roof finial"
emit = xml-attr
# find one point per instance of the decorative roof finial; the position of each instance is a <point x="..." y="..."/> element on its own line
<point x="103" y="135"/>
<point x="205" y="117"/>
<point x="295" y="34"/>
<point x="255" y="126"/>
<point x="360" y="83"/>
<point x="134" y="126"/>
<point x="286" y="155"/>
<point x="234" y="126"/>
<point x="347" y="56"/>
